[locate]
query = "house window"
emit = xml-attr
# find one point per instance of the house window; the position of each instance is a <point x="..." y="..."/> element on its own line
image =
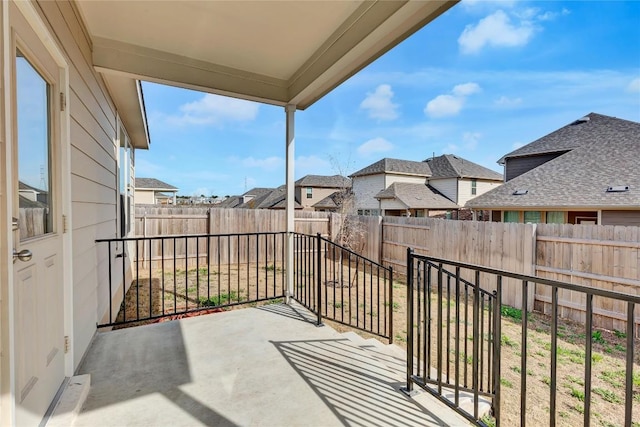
<point x="555" y="218"/>
<point x="511" y="216"/>
<point x="309" y="192"/>
<point x="532" y="217"/>
<point x="474" y="187"/>
<point x="125" y="177"/>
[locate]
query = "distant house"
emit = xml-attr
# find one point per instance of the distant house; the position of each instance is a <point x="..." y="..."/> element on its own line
<point x="151" y="191"/>
<point x="371" y="180"/>
<point x="461" y="180"/>
<point x="409" y="188"/>
<point x="583" y="173"/>
<point x="312" y="189"/>
<point x="253" y="198"/>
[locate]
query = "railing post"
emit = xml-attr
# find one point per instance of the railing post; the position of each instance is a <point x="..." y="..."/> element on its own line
<point x="319" y="279"/>
<point x="497" y="342"/>
<point x="409" y="388"/>
<point x="390" y="304"/>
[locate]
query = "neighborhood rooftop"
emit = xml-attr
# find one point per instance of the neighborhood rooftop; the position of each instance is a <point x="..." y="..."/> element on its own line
<point x="606" y="154"/>
<point x="585" y="130"/>
<point x="416" y="196"/>
<point x="452" y="166"/>
<point x="152" y="183"/>
<point x="324" y="181"/>
<point x="405" y="167"/>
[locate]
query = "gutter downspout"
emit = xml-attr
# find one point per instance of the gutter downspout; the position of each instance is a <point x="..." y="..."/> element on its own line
<point x="290" y="199"/>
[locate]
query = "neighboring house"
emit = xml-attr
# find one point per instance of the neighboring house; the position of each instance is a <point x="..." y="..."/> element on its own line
<point x="583" y="173"/>
<point x="33" y="194"/>
<point x="440" y="184"/>
<point x="252" y="198"/>
<point x="371" y="180"/>
<point x="151" y="191"/>
<point x="75" y="67"/>
<point x="338" y="201"/>
<point x="312" y="189"/>
<point x="417" y="200"/>
<point x="461" y="180"/>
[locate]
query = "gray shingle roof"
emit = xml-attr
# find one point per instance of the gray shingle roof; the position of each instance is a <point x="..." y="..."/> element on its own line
<point x="582" y="131"/>
<point x="324" y="181"/>
<point x="153" y="184"/>
<point x="607" y="154"/>
<point x="229" y="202"/>
<point x="451" y="166"/>
<point x="416" y="196"/>
<point x="407" y="167"/>
<point x="258" y="191"/>
<point x="332" y="201"/>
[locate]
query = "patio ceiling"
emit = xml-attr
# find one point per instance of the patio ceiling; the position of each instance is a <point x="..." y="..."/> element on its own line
<point x="277" y="52"/>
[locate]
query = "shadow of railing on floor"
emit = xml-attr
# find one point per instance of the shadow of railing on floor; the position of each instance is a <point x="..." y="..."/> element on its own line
<point x="355" y="385"/>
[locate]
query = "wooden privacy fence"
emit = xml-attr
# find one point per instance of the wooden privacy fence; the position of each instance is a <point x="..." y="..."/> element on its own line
<point x="162" y="221"/>
<point x="606" y="257"/>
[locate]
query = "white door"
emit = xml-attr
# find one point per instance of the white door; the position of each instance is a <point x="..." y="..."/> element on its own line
<point x="38" y="286"/>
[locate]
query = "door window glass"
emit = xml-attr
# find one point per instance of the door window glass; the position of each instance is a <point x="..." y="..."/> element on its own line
<point x="34" y="150"/>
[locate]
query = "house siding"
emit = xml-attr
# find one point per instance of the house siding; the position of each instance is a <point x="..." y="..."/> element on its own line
<point x="144" y="197"/>
<point x="447" y="186"/>
<point x="464" y="189"/>
<point x="391" y="204"/>
<point x="93" y="173"/>
<point x="391" y="178"/>
<point x="365" y="188"/>
<point x="516" y="166"/>
<point x="318" y="194"/>
<point x="628" y="218"/>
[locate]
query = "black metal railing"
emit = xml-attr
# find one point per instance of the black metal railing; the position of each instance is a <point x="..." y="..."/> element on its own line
<point x="156" y="277"/>
<point x="455" y="317"/>
<point x="340" y="285"/>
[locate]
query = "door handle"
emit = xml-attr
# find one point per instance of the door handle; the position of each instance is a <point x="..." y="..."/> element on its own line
<point x="24" y="255"/>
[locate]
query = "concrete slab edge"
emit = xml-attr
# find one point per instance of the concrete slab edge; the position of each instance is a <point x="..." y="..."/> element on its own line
<point x="70" y="402"/>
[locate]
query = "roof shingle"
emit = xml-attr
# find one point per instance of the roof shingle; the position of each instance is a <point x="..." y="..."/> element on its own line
<point x="153" y="184"/>
<point x="405" y="167"/>
<point x="416" y="196"/>
<point x="452" y="166"/>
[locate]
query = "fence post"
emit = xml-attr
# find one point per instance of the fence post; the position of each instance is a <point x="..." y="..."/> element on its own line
<point x="390" y="304"/>
<point x="319" y="278"/>
<point x="409" y="388"/>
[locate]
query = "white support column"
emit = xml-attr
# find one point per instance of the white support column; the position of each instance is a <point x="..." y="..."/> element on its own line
<point x="290" y="209"/>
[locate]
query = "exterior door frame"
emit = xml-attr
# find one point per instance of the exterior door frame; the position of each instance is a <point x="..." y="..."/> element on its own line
<point x="7" y="320"/>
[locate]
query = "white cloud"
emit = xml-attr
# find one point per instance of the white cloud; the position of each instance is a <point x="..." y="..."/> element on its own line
<point x="268" y="164"/>
<point x="466" y="89"/>
<point x="444" y="106"/>
<point x="507" y="102"/>
<point x="379" y="104"/>
<point x="375" y="145"/>
<point x="450" y="105"/>
<point x="471" y="140"/>
<point x="215" y="110"/>
<point x="550" y="16"/>
<point x="495" y="30"/>
<point x="634" y="86"/>
<point x="470" y="4"/>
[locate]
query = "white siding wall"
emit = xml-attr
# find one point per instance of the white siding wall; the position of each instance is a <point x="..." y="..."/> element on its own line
<point x="391" y="178"/>
<point x="447" y="186"/>
<point x="464" y="189"/>
<point x="93" y="172"/>
<point x="144" y="197"/>
<point x="365" y="188"/>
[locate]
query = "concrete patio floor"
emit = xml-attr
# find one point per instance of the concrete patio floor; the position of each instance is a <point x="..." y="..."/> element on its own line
<point x="267" y="366"/>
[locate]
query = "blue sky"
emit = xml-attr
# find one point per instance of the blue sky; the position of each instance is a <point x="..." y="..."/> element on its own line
<point x="483" y="79"/>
